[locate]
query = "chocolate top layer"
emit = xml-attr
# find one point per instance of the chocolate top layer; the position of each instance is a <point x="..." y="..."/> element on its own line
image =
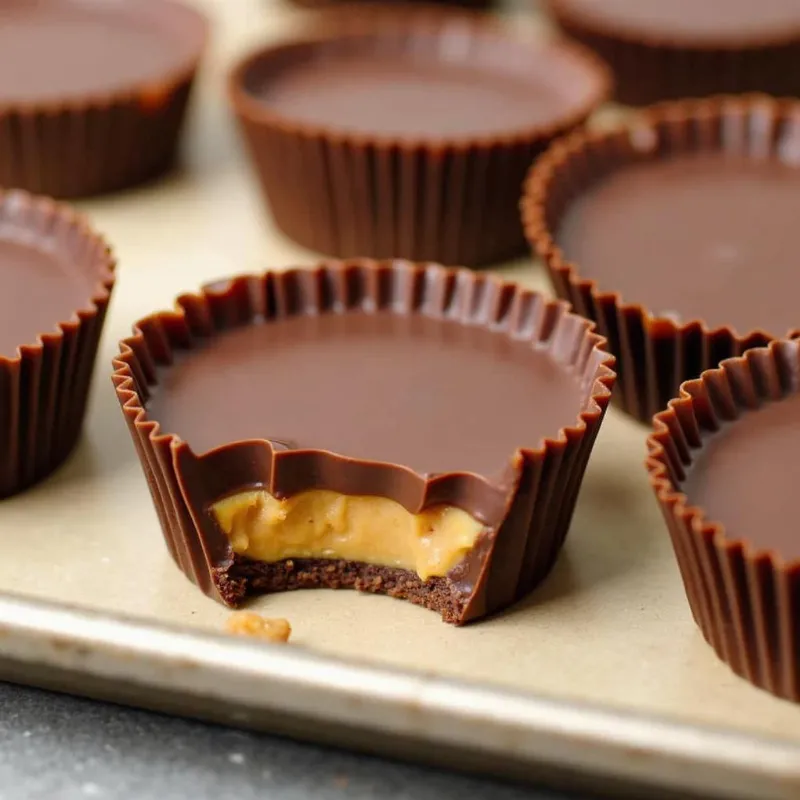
<point x="746" y="478"/>
<point x="429" y="84"/>
<point x="55" y="49"/>
<point x="705" y="237"/>
<point x="426" y="393"/>
<point x="738" y="19"/>
<point x="38" y="289"/>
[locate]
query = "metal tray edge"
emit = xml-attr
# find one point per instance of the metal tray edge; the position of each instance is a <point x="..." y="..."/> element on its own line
<point x="257" y="685"/>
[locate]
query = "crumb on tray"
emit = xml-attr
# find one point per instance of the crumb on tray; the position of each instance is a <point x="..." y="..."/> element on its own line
<point x="246" y="623"/>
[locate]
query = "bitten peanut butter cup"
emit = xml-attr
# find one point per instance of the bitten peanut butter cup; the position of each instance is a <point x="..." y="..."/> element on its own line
<point x="56" y="277"/>
<point x="677" y="234"/>
<point x="399" y="429"/>
<point x="93" y="95"/>
<point x="671" y="49"/>
<point x="408" y="134"/>
<point x="723" y="463"/>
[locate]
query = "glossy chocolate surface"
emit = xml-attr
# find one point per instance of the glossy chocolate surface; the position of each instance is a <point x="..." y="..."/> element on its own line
<point x="38" y="289"/>
<point x="429" y="394"/>
<point x="745" y="478"/>
<point x="432" y="85"/>
<point x="689" y="18"/>
<point x="56" y="49"/>
<point x="700" y="237"/>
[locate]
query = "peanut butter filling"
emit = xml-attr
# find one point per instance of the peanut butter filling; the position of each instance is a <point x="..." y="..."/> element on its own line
<point x="324" y="524"/>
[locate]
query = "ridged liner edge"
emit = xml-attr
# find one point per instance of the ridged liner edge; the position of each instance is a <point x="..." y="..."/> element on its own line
<point x="650" y="67"/>
<point x="99" y="142"/>
<point x="44" y="388"/>
<point x="746" y="601"/>
<point x="654" y="354"/>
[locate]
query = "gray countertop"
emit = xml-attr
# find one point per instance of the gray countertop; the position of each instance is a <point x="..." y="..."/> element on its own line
<point x="53" y="746"/>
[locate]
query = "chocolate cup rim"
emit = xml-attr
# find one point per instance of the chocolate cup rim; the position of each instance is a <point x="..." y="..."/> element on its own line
<point x="675" y="501"/>
<point x="596" y="401"/>
<point x="691" y="41"/>
<point x="377" y="22"/>
<point x="198" y="26"/>
<point x="542" y="238"/>
<point x="42" y="208"/>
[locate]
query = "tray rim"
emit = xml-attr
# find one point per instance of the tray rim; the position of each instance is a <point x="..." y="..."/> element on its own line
<point x="316" y="697"/>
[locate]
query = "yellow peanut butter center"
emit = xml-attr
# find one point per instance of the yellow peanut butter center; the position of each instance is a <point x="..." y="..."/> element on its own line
<point x="324" y="524"/>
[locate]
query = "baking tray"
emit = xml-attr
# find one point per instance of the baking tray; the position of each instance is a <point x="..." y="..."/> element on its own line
<point x="600" y="676"/>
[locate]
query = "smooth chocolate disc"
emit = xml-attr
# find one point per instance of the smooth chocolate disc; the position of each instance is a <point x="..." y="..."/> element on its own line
<point x="430" y="394"/>
<point x="746" y="478"/>
<point x="740" y="19"/>
<point x="57" y="49"/>
<point x="38" y="289"/>
<point x="445" y="86"/>
<point x="700" y="237"/>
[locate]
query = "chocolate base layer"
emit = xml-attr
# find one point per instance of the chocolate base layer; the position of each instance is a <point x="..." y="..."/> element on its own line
<point x="246" y="577"/>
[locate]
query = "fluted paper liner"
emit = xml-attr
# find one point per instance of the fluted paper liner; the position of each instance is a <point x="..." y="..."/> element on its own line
<point x="649" y="68"/>
<point x="453" y="201"/>
<point x="84" y="145"/>
<point x="746" y="601"/>
<point x="526" y="512"/>
<point x="654" y="354"/>
<point x="44" y="388"/>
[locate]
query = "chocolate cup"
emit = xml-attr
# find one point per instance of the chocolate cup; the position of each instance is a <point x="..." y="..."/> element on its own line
<point x="44" y="388"/>
<point x="425" y="199"/>
<point x="746" y="601"/>
<point x="650" y="68"/>
<point x="529" y="509"/>
<point x="90" y="144"/>
<point x="654" y="354"/>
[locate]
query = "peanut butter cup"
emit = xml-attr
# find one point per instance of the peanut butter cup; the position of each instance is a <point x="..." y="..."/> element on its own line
<point x="56" y="277"/>
<point x="723" y="463"/>
<point x="676" y="234"/>
<point x="407" y="430"/>
<point x="408" y="135"/>
<point x="93" y="95"/>
<point x="666" y="50"/>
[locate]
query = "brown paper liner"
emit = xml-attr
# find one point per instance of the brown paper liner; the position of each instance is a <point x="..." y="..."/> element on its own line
<point x="648" y="69"/>
<point x="448" y="201"/>
<point x="745" y="601"/>
<point x="654" y="355"/>
<point x="44" y="389"/>
<point x="532" y="505"/>
<point x="88" y="145"/>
